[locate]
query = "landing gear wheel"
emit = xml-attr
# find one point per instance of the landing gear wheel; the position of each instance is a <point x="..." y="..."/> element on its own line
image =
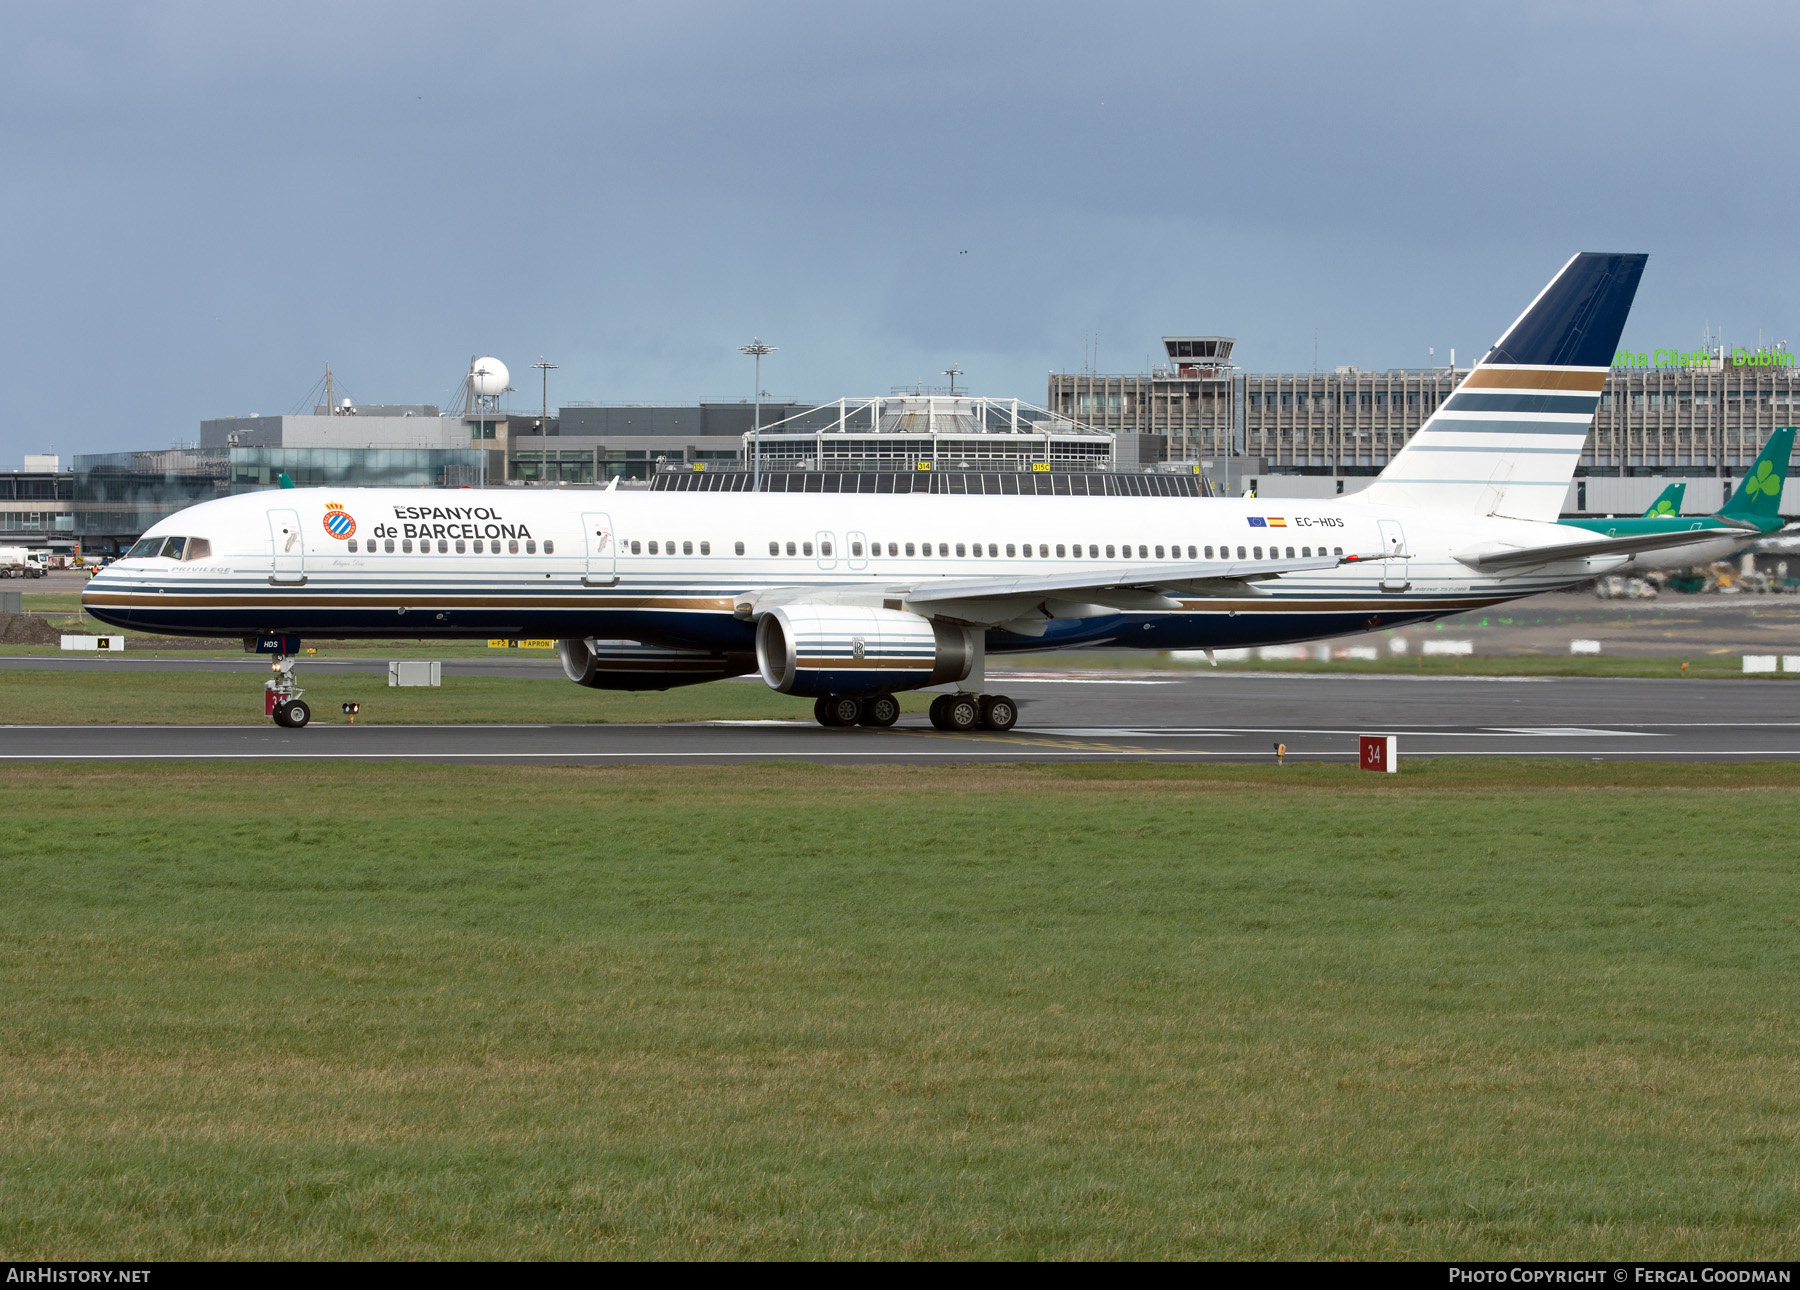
<point x="962" y="712"/>
<point x="880" y="710"/>
<point x="998" y="712"/>
<point x="294" y="714"/>
<point x="936" y="712"/>
<point x="838" y="710"/>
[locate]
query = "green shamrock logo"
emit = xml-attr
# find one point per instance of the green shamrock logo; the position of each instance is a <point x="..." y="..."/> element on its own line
<point x="1661" y="509"/>
<point x="1764" y="481"/>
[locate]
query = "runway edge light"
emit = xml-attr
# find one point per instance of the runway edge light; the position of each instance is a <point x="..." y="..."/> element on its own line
<point x="1381" y="752"/>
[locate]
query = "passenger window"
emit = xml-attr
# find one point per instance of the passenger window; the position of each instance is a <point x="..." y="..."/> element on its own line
<point x="1337" y="550"/>
<point x="806" y="548"/>
<point x="549" y="546"/>
<point x="1191" y="553"/>
<point x="1258" y="551"/>
<point x="387" y="545"/>
<point x="1306" y="553"/>
<point x="993" y="550"/>
<point x="893" y="548"/>
<point x="959" y="550"/>
<point x="706" y="548"/>
<point x="530" y="546"/>
<point x="1043" y="551"/>
<point x="856" y="548"/>
<point x="687" y="548"/>
<point x="1059" y="550"/>
<point x="201" y="549"/>
<point x="652" y="546"/>
<point x="1109" y="552"/>
<point x="1240" y="553"/>
<point x="774" y="548"/>
<point x="1009" y="550"/>
<point x="1159" y="553"/>
<point x="740" y="548"/>
<point x="1290" y="553"/>
<point x="1093" y="551"/>
<point x="909" y="548"/>
<point x="352" y="546"/>
<point x="790" y="548"/>
<point x="669" y="548"/>
<point x="1208" y="553"/>
<point x="459" y="546"/>
<point x="824" y="548"/>
<point x="406" y="545"/>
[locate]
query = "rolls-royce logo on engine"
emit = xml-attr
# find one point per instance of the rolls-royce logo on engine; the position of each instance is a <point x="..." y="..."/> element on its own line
<point x="337" y="521"/>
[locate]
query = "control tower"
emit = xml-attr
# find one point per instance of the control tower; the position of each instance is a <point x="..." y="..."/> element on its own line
<point x="1198" y="355"/>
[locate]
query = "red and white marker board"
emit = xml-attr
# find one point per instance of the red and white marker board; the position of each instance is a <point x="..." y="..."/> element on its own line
<point x="1381" y="752"/>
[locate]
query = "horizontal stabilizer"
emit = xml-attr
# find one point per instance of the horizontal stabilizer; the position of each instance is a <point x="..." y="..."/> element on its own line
<point x="1509" y="557"/>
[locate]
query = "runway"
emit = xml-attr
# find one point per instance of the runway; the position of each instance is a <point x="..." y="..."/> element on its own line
<point x="1111" y="716"/>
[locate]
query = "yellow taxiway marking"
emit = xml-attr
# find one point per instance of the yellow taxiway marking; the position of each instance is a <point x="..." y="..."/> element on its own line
<point x="1026" y="741"/>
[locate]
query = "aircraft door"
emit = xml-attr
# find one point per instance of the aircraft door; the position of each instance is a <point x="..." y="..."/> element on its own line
<point x="1393" y="545"/>
<point x="602" y="550"/>
<point x="827" y="548"/>
<point x="859" y="542"/>
<point x="287" y="547"/>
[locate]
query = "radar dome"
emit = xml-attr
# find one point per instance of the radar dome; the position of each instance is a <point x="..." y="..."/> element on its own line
<point x="490" y="377"/>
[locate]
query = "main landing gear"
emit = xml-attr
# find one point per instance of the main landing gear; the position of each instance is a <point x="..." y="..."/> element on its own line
<point x="281" y="695"/>
<point x="948" y="711"/>
<point x="852" y="710"/>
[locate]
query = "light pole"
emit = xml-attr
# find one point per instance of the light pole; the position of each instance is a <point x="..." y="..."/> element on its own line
<point x="544" y="419"/>
<point x="953" y="371"/>
<point x="756" y="349"/>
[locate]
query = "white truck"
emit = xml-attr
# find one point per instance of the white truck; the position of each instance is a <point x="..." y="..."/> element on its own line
<point x="23" y="562"/>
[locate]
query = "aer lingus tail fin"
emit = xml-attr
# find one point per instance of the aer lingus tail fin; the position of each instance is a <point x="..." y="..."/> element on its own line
<point x="1758" y="497"/>
<point x="1667" y="505"/>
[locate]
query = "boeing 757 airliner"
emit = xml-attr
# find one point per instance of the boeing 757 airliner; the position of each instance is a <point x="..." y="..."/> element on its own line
<point x="849" y="598"/>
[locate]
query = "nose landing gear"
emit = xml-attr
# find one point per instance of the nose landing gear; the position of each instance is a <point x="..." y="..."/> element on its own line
<point x="281" y="696"/>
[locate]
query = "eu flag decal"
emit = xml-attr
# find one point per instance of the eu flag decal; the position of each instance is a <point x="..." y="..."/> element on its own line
<point x="1257" y="522"/>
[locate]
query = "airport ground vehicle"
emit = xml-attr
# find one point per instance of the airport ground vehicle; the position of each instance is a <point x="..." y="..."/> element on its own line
<point x="851" y="598"/>
<point x="23" y="562"/>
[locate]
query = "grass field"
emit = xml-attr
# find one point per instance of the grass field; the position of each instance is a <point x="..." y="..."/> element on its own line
<point x="328" y="1011"/>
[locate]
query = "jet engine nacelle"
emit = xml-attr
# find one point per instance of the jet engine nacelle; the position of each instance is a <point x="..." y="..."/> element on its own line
<point x="627" y="665"/>
<point x="815" y="650"/>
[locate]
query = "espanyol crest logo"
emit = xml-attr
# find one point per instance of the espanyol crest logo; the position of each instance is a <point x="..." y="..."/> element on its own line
<point x="337" y="521"/>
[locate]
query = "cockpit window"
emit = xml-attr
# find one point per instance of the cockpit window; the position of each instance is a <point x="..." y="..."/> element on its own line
<point x="199" y="549"/>
<point x="143" y="548"/>
<point x="173" y="548"/>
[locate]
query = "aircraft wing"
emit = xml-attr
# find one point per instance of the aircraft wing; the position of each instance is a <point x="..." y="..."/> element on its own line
<point x="1507" y="557"/>
<point x="1191" y="578"/>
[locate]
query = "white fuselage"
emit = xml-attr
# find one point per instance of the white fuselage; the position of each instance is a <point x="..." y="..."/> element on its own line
<point x="669" y="567"/>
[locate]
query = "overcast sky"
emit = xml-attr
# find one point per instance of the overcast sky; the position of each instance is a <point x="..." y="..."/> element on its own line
<point x="208" y="201"/>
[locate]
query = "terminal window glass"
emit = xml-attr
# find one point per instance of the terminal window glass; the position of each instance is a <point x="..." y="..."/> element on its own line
<point x="387" y="544"/>
<point x="530" y="546"/>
